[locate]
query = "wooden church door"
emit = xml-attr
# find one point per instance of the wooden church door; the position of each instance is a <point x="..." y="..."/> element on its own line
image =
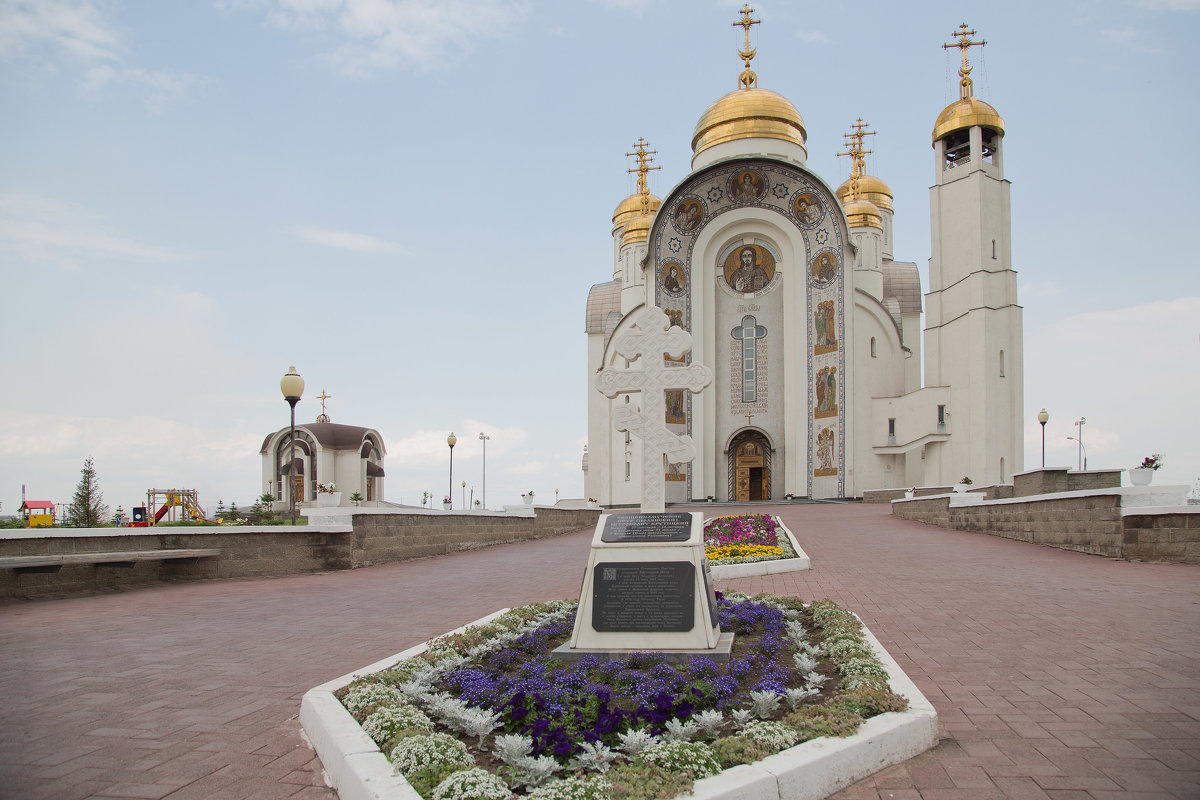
<point x="751" y="474"/>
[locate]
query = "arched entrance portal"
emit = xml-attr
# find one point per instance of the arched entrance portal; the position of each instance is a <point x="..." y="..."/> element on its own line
<point x="750" y="467"/>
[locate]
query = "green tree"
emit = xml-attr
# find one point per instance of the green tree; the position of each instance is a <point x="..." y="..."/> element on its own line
<point x="119" y="516"/>
<point x="87" y="509"/>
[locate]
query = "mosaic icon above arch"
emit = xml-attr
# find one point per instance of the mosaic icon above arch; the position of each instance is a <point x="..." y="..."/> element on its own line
<point x="749" y="268"/>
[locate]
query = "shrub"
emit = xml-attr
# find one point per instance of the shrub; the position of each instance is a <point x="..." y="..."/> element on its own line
<point x="694" y="759"/>
<point x="774" y="736"/>
<point x="573" y="788"/>
<point x="384" y="723"/>
<point x="644" y="780"/>
<point x="363" y="695"/>
<point x="472" y="784"/>
<point x="436" y="749"/>
<point x="867" y="702"/>
<point x="739" y="749"/>
<point x="814" y="721"/>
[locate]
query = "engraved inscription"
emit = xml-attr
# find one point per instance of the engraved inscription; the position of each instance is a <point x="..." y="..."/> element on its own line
<point x="644" y="596"/>
<point x="672" y="526"/>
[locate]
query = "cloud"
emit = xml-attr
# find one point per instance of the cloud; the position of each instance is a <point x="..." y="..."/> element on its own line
<point x="1031" y="290"/>
<point x="43" y="230"/>
<point x="378" y="35"/>
<point x="75" y="28"/>
<point x="344" y="240"/>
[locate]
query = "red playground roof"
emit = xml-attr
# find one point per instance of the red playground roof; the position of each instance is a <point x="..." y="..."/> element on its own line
<point x="35" y="505"/>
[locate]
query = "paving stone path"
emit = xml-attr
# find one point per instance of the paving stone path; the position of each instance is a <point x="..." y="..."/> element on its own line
<point x="1055" y="675"/>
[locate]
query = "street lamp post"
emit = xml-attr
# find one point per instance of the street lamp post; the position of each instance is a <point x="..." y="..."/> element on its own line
<point x="1043" y="418"/>
<point x="464" y="496"/>
<point x="484" y="439"/>
<point x="292" y="386"/>
<point x="1083" y="447"/>
<point x="451" y="440"/>
<point x="1082" y="458"/>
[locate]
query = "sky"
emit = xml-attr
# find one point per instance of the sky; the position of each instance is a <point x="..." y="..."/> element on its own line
<point x="409" y="201"/>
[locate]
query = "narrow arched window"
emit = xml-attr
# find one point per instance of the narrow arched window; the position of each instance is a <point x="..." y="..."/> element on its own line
<point x="1001" y="363"/>
<point x="873" y="351"/>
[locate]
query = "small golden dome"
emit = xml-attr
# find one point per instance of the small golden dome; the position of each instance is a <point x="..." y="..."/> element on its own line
<point x="630" y="207"/>
<point x="863" y="213"/>
<point x="965" y="114"/>
<point x="637" y="229"/>
<point x="869" y="188"/>
<point x="746" y="114"/>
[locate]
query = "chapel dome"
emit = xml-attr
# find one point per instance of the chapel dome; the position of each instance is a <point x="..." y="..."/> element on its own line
<point x="862" y="213"/>
<point x="966" y="114"/>
<point x="749" y="113"/>
<point x="630" y="207"/>
<point x="637" y="229"/>
<point x="869" y="188"/>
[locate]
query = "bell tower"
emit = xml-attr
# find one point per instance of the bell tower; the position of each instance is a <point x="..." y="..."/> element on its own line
<point x="973" y="333"/>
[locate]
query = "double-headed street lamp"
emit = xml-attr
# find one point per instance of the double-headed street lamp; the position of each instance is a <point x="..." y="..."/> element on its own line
<point x="1043" y="418"/>
<point x="292" y="386"/>
<point x="484" y="439"/>
<point x="451" y="440"/>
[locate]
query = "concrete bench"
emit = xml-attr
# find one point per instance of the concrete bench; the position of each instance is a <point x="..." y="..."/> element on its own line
<point x="126" y="558"/>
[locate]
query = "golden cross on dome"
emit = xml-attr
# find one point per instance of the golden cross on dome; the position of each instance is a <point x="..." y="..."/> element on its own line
<point x="323" y="417"/>
<point x="643" y="168"/>
<point x="854" y="149"/>
<point x="747" y="79"/>
<point x="964" y="72"/>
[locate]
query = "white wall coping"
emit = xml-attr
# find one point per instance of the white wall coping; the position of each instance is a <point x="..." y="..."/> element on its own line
<point x="1134" y="499"/>
<point x="809" y="771"/>
<point x="163" y="530"/>
<point x="1152" y="510"/>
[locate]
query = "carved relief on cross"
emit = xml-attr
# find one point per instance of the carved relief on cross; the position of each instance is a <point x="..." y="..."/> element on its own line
<point x="653" y="337"/>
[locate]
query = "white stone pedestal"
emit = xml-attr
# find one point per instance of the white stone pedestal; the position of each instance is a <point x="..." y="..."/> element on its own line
<point x="647" y="587"/>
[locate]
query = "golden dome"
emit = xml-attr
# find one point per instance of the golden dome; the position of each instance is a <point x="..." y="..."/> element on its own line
<point x="637" y="229"/>
<point x="869" y="188"/>
<point x="863" y="213"/>
<point x="630" y="207"/>
<point x="749" y="113"/>
<point x="965" y="114"/>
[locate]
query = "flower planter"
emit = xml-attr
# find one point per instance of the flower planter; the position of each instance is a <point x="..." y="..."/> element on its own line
<point x="1141" y="476"/>
<point x="909" y="494"/>
<point x="961" y="487"/>
<point x="446" y="506"/>
<point x="328" y="499"/>
<point x="527" y="499"/>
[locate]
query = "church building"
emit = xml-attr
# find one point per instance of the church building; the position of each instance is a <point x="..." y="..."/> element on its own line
<point x="826" y="384"/>
<point x="348" y="457"/>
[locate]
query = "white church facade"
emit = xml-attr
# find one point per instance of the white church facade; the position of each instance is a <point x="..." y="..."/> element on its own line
<point x="826" y="384"/>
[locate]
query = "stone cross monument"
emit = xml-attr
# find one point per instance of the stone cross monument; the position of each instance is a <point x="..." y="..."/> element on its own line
<point x="653" y="338"/>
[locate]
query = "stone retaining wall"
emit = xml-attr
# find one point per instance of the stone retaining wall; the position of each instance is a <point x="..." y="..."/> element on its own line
<point x="270" y="550"/>
<point x="1094" y="523"/>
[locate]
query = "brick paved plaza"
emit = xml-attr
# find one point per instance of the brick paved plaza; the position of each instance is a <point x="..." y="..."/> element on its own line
<point x="1054" y="674"/>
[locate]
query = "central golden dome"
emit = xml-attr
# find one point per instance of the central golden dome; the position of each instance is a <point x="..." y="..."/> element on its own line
<point x="869" y="188"/>
<point x="966" y="114"/>
<point x="746" y="114"/>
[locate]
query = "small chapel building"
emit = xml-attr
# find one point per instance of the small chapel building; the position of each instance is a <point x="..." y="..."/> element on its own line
<point x="347" y="456"/>
<point x="826" y="384"/>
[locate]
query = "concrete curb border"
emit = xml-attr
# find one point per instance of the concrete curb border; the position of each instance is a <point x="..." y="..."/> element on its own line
<point x="815" y="769"/>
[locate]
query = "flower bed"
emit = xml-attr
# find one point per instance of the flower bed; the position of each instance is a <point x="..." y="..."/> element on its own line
<point x="746" y="539"/>
<point x="624" y="729"/>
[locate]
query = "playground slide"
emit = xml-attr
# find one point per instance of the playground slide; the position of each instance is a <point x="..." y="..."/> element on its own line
<point x="161" y="512"/>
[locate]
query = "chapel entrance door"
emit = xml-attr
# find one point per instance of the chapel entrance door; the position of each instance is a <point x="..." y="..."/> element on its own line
<point x="298" y="488"/>
<point x="752" y="475"/>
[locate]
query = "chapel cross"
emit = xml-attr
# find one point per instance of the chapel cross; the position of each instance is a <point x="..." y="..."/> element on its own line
<point x="749" y="417"/>
<point x="643" y="168"/>
<point x="854" y="149"/>
<point x="323" y="417"/>
<point x="653" y="338"/>
<point x="747" y="79"/>
<point x="964" y="72"/>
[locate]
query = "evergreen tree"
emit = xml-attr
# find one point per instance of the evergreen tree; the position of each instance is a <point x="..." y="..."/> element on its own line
<point x="119" y="517"/>
<point x="87" y="509"/>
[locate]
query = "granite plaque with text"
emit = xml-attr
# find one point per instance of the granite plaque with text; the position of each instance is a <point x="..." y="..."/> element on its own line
<point x="643" y="596"/>
<point x="673" y="526"/>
